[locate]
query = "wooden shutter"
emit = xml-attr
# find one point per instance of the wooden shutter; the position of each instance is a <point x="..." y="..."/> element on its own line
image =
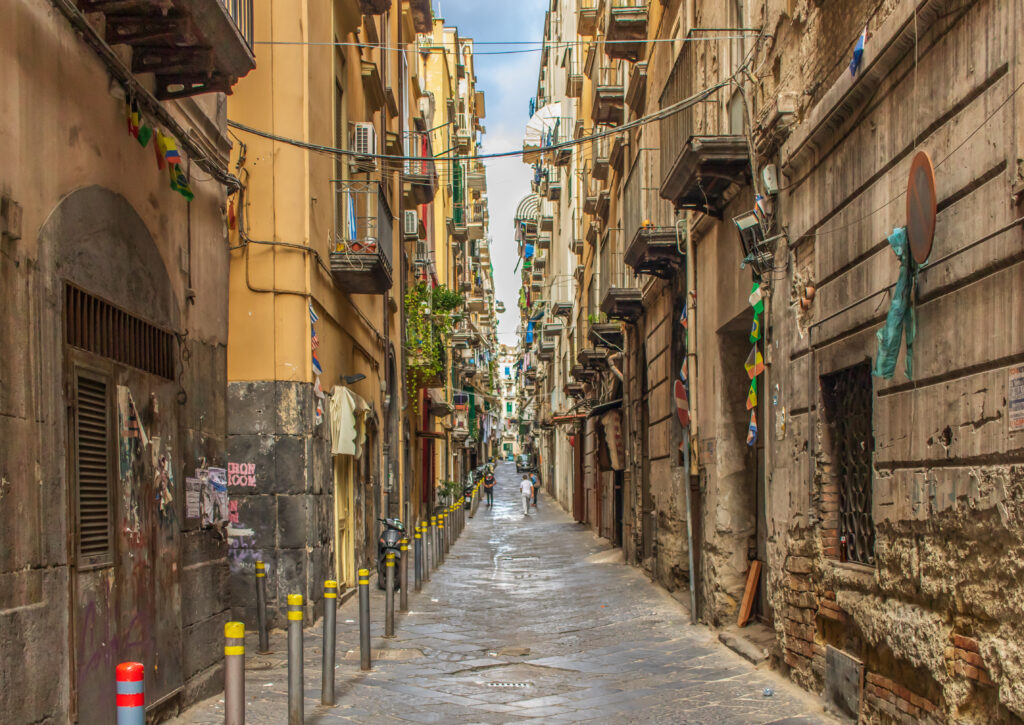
<point x="92" y="448"/>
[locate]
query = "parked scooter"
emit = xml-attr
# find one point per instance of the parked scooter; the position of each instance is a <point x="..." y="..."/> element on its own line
<point x="390" y="540"/>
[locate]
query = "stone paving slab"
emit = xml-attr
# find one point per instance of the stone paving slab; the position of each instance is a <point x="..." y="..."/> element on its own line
<point x="529" y="619"/>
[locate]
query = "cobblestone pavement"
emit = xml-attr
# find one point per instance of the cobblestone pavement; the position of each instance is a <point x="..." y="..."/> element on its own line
<point x="528" y="618"/>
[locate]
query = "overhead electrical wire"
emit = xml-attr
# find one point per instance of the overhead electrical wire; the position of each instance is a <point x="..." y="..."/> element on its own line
<point x="614" y="131"/>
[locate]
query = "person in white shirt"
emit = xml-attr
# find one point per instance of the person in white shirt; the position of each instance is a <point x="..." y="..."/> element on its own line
<point x="526" y="489"/>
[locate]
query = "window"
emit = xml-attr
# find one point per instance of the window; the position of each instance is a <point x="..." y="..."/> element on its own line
<point x="849" y="524"/>
<point x="508" y="408"/>
<point x="93" y="468"/>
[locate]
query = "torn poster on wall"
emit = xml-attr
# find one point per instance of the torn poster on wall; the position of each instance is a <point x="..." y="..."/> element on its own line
<point x="131" y="439"/>
<point x="214" y="486"/>
<point x="163" y="476"/>
<point x="193" y="498"/>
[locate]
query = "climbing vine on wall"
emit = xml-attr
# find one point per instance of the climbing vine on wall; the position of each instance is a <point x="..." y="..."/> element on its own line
<point x="429" y="316"/>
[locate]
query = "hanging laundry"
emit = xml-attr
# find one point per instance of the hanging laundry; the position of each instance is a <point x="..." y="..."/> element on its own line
<point x="858" y="52"/>
<point x="752" y="395"/>
<point x="752" y="429"/>
<point x="755" y="330"/>
<point x="754" y="364"/>
<point x="901" y="316"/>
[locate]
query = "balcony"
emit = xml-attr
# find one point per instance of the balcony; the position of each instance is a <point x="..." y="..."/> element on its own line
<point x="709" y="153"/>
<point x="544" y="240"/>
<point x="586" y="18"/>
<point x="627" y="29"/>
<point x="606" y="334"/>
<point x="191" y="46"/>
<point x="458" y="225"/>
<point x="574" y="390"/>
<point x="636" y="89"/>
<point x="547" y="223"/>
<point x="604" y="197"/>
<point x="652" y="244"/>
<point x="601" y="149"/>
<point x="592" y="358"/>
<point x="593" y="232"/>
<point x="420" y="181"/>
<point x="361" y="260"/>
<point x="546" y="351"/>
<point x="609" y="95"/>
<point x="553" y="329"/>
<point x="463" y="134"/>
<point x="620" y="297"/>
<point x="554" y="189"/>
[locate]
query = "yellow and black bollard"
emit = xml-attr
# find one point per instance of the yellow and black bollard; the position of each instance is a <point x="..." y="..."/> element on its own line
<point x="261" y="608"/>
<point x="403" y="577"/>
<point x="364" y="619"/>
<point x="234" y="673"/>
<point x="330" y="641"/>
<point x="295" y="668"/>
<point x="389" y="595"/>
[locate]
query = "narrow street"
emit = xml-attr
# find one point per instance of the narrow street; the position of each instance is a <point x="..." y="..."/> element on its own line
<point x="527" y="618"/>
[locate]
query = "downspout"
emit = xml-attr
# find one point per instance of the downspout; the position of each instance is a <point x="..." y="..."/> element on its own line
<point x="690" y="431"/>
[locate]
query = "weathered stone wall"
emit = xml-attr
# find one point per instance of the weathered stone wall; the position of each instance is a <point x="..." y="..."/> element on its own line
<point x="290" y="510"/>
<point x="936" y="618"/>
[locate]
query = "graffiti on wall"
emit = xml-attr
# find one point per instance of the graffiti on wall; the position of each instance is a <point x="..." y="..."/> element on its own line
<point x="242" y="553"/>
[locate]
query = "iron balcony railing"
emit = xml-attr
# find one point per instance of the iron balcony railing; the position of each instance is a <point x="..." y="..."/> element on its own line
<point x="362" y="224"/>
<point x="241" y="13"/>
<point x="421" y="155"/>
<point x="643" y="205"/>
<point x="614" y="272"/>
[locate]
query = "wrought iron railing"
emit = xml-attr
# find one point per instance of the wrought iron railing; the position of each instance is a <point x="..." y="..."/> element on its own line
<point x="611" y="76"/>
<point x="642" y="204"/>
<point x="420" y="154"/>
<point x="241" y="13"/>
<point x="362" y="223"/>
<point x="614" y="272"/>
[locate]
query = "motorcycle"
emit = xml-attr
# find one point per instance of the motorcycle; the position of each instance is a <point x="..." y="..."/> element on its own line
<point x="467" y="495"/>
<point x="390" y="540"/>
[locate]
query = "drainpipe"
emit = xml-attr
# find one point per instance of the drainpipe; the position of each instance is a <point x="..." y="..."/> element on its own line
<point x="691" y="367"/>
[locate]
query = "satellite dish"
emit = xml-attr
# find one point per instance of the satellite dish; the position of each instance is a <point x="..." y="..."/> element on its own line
<point x="921" y="207"/>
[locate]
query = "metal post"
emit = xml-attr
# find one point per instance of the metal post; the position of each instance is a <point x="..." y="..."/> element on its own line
<point x="417" y="558"/>
<point x="427" y="545"/>
<point x="130" y="693"/>
<point x="234" y="673"/>
<point x="364" y="619"/>
<point x="389" y="595"/>
<point x="441" y="548"/>
<point x="403" y="578"/>
<point x="261" y="608"/>
<point x="295" y="674"/>
<point x="330" y="641"/>
<point x="435" y="555"/>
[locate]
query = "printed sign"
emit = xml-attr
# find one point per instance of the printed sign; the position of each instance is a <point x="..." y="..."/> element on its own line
<point x="1015" y="399"/>
<point x="193" y="498"/>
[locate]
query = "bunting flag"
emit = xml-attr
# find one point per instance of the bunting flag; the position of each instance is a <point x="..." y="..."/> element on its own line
<point x="314" y="340"/>
<point x="752" y="429"/>
<point x="313" y="317"/>
<point x="754" y="364"/>
<point x="167" y="148"/>
<point x="145" y="133"/>
<point x="752" y="395"/>
<point x="858" y="52"/>
<point x="179" y="182"/>
<point x="132" y="113"/>
<point x="683" y="319"/>
<point x="316" y="366"/>
<point x="756" y="298"/>
<point x="755" y="330"/>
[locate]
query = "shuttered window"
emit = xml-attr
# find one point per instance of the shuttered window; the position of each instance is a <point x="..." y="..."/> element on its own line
<point x="92" y="446"/>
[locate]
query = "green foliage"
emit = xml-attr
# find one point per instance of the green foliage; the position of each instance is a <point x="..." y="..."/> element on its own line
<point x="449" y="489"/>
<point x="428" y="327"/>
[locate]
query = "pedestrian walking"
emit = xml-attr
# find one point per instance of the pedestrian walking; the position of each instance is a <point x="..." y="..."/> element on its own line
<point x="489" y="488"/>
<point x="535" y="480"/>
<point x="526" y="489"/>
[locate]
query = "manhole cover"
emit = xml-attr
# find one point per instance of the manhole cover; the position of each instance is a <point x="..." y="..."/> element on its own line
<point x="519" y="685"/>
<point x="387" y="654"/>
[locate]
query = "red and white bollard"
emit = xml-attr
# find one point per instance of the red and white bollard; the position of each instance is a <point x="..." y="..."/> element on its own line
<point x="131" y="695"/>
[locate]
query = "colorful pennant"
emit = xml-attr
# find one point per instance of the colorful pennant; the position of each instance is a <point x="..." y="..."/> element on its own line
<point x="179" y="182"/>
<point x="752" y="429"/>
<point x="755" y="330"/>
<point x="756" y="298"/>
<point x="752" y="395"/>
<point x="754" y="364"/>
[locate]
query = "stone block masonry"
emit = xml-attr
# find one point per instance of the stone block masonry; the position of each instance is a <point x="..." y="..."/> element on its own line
<point x="283" y="501"/>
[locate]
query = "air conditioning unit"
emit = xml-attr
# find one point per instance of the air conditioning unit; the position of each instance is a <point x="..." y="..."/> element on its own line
<point x="410" y="224"/>
<point x="364" y="144"/>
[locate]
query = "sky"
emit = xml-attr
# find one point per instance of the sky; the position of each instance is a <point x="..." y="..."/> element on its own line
<point x="508" y="82"/>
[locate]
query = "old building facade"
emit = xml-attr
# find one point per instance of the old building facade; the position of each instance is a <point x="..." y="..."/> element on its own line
<point x="747" y="432"/>
<point x="114" y="258"/>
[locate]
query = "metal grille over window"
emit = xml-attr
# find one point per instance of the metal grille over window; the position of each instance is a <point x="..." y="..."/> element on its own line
<point x="848" y="408"/>
<point x="92" y="450"/>
<point x="99" y="327"/>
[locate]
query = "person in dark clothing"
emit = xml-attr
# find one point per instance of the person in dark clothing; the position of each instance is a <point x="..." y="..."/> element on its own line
<point x="489" y="488"/>
<point x="535" y="478"/>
